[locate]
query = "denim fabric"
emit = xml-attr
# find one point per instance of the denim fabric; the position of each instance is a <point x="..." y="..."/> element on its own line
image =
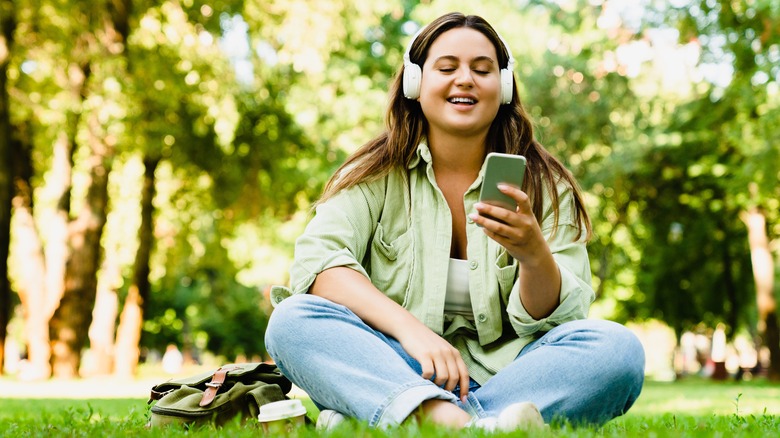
<point x="584" y="371"/>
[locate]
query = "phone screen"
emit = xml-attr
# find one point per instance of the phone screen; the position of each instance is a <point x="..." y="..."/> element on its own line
<point x="502" y="168"/>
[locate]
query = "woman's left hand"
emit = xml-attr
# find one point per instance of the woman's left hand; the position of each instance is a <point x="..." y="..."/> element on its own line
<point x="517" y="231"/>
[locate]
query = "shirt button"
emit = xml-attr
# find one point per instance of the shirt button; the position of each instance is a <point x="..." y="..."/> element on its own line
<point x="473" y="264"/>
<point x="482" y="317"/>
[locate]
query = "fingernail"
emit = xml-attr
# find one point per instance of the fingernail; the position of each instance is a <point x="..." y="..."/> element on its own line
<point x="503" y="187"/>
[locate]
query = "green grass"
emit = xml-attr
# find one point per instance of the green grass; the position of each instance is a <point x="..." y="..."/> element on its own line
<point x="690" y="408"/>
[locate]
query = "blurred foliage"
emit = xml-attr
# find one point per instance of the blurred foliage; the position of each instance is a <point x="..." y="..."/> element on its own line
<point x="717" y="158"/>
<point x="666" y="148"/>
<point x="204" y="307"/>
<point x="252" y="104"/>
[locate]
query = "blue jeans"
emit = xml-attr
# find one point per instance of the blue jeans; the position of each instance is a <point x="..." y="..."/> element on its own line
<point x="586" y="371"/>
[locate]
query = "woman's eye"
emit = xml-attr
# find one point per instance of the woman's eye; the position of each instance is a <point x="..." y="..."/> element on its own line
<point x="481" y="72"/>
<point x="447" y="69"/>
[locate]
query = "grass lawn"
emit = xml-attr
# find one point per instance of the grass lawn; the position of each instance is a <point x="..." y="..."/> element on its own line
<point x="687" y="408"/>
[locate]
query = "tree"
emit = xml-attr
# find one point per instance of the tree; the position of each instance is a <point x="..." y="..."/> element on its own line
<point x="743" y="37"/>
<point x="105" y="40"/>
<point x="763" y="272"/>
<point x="130" y="321"/>
<point x="85" y="106"/>
<point x="7" y="28"/>
<point x="41" y="269"/>
<point x="695" y="266"/>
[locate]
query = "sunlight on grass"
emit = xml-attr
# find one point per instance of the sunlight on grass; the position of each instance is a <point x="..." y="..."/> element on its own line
<point x="689" y="408"/>
<point x="699" y="397"/>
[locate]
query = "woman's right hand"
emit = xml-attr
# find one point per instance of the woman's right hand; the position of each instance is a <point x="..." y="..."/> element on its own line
<point x="440" y="361"/>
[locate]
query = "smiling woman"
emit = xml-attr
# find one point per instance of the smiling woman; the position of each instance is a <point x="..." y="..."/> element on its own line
<point x="411" y="299"/>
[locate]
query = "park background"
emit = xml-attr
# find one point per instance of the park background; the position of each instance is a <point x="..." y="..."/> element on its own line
<point x="159" y="158"/>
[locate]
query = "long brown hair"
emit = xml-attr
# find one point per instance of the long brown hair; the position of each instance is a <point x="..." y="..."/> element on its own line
<point x="511" y="132"/>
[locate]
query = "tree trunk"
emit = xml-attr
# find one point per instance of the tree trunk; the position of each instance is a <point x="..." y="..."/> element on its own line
<point x="70" y="324"/>
<point x="101" y="332"/>
<point x="772" y="340"/>
<point x="764" y="274"/>
<point x="41" y="277"/>
<point x="7" y="26"/>
<point x="41" y="280"/>
<point x="27" y="248"/>
<point x="131" y="320"/>
<point x="32" y="290"/>
<point x="59" y="182"/>
<point x="729" y="285"/>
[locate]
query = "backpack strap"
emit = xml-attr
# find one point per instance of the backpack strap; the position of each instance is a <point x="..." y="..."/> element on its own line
<point x="216" y="382"/>
<point x="156" y="395"/>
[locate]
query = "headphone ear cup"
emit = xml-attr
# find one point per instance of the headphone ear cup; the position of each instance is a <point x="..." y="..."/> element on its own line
<point x="507" y="86"/>
<point x="411" y="80"/>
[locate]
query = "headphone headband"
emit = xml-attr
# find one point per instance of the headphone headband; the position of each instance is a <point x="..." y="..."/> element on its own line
<point x="412" y="78"/>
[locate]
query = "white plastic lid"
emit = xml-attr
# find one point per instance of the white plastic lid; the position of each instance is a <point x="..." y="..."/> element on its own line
<point x="281" y="410"/>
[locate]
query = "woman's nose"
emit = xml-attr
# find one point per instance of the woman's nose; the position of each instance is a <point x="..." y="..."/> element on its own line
<point x="464" y="77"/>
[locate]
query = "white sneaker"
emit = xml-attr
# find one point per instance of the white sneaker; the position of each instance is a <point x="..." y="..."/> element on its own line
<point x="520" y="416"/>
<point x="517" y="416"/>
<point x="329" y="419"/>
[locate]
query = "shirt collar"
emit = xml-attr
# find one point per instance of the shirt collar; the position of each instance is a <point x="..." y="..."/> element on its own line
<point x="423" y="153"/>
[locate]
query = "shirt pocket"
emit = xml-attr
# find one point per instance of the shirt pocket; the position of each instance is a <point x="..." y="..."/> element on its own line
<point x="392" y="262"/>
<point x="506" y="274"/>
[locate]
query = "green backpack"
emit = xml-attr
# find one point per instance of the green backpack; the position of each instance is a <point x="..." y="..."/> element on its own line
<point x="217" y="397"/>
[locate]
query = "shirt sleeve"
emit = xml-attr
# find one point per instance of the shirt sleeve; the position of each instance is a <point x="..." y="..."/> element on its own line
<point x="337" y="235"/>
<point x="571" y="256"/>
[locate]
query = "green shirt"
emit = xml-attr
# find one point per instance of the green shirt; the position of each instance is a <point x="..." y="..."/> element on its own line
<point x="397" y="231"/>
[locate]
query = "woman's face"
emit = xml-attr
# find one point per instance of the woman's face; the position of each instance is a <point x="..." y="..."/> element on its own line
<point x="460" y="89"/>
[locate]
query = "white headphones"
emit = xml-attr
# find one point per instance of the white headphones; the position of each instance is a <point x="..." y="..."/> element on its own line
<point x="413" y="73"/>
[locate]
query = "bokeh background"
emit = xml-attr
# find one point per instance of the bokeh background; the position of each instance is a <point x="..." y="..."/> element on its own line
<point x="159" y="158"/>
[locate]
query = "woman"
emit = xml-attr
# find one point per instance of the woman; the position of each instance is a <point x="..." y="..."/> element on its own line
<point x="409" y="298"/>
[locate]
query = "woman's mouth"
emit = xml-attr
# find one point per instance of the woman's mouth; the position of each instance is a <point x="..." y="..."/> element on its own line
<point x="462" y="100"/>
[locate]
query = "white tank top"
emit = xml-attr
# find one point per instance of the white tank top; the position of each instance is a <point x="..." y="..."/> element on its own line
<point x="458" y="300"/>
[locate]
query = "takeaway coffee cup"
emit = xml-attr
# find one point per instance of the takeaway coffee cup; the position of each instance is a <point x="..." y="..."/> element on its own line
<point x="281" y="417"/>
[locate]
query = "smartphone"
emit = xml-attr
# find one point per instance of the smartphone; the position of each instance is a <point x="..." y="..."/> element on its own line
<point x="501" y="168"/>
